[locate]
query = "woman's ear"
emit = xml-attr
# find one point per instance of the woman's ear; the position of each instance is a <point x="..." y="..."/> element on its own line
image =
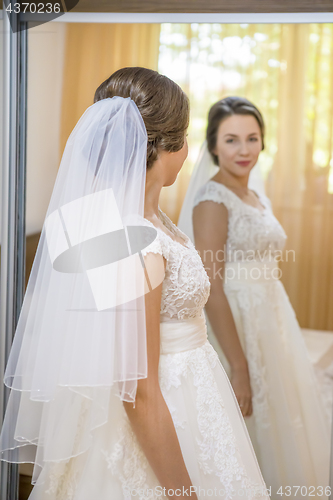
<point x="214" y="150"/>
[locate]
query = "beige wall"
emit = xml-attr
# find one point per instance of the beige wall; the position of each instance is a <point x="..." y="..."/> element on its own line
<point x="45" y="76"/>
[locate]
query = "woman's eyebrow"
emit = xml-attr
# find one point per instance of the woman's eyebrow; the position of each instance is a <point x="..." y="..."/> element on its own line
<point x="234" y="135"/>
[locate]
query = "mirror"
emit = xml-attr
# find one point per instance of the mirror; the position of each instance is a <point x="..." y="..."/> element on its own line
<point x="285" y="69"/>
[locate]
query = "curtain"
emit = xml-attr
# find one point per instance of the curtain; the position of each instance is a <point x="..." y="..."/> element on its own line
<point x="301" y="181"/>
<point x="287" y="71"/>
<point x="93" y="52"/>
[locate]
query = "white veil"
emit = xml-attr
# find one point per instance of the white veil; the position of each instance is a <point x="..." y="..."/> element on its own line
<point x="204" y="170"/>
<point x="81" y="335"/>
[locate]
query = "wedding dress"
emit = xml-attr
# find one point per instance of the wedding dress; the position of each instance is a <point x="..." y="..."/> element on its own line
<point x="289" y="428"/>
<point x="213" y="437"/>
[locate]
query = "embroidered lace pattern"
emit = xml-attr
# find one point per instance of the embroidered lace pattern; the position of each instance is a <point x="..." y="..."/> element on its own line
<point x="185" y="291"/>
<point x="64" y="475"/>
<point x="217" y="449"/>
<point x="128" y="463"/>
<point x="218" y="452"/>
<point x="259" y="231"/>
<point x="186" y="286"/>
<point x="63" y="480"/>
<point x="248" y="299"/>
<point x="248" y="227"/>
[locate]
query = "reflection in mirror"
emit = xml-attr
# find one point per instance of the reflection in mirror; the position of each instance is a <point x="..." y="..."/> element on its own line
<point x="286" y="70"/>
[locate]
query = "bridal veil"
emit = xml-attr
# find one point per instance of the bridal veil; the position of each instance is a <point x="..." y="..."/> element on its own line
<point x="80" y="341"/>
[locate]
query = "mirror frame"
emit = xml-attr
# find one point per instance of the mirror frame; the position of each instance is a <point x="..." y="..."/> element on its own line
<point x="14" y="139"/>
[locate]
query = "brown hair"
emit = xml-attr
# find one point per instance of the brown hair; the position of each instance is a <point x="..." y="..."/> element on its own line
<point x="163" y="105"/>
<point x="223" y="109"/>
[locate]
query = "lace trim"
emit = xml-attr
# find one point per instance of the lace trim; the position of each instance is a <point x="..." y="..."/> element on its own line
<point x="218" y="453"/>
<point x="212" y="191"/>
<point x="186" y="285"/>
<point x="251" y="232"/>
<point x="129" y="464"/>
<point x="63" y="481"/>
<point x="64" y="476"/>
<point x="154" y="247"/>
<point x="248" y="299"/>
<point x="217" y="444"/>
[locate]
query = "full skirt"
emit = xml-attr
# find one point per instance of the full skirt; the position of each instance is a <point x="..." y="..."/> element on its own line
<point x="213" y="437"/>
<point x="289" y="427"/>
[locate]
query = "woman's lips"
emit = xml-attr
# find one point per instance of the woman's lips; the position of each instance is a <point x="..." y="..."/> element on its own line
<point x="243" y="163"/>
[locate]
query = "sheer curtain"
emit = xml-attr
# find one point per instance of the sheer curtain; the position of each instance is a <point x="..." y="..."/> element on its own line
<point x="93" y="52"/>
<point x="287" y="71"/>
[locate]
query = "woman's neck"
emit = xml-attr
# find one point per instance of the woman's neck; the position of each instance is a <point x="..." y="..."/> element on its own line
<point x="232" y="181"/>
<point x="152" y="195"/>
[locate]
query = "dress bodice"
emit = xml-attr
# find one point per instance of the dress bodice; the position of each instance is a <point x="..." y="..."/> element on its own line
<point x="186" y="286"/>
<point x="253" y="234"/>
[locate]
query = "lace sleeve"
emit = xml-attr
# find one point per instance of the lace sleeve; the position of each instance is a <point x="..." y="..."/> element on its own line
<point x="213" y="191"/>
<point x="154" y="247"/>
<point x="160" y="245"/>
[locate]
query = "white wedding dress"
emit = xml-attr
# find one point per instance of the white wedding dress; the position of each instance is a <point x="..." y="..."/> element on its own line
<point x="214" y="440"/>
<point x="289" y="427"/>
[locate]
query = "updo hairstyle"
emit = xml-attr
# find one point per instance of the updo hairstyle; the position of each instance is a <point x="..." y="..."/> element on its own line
<point x="163" y="105"/>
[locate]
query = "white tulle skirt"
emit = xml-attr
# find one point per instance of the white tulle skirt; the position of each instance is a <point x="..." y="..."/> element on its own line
<point x="214" y="440"/>
<point x="289" y="428"/>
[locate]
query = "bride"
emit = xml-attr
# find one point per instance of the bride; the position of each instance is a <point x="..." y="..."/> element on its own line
<point x="251" y="322"/>
<point x="116" y="392"/>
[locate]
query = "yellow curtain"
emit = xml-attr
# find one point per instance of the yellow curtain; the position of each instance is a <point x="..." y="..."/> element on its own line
<point x="287" y="71"/>
<point x="301" y="180"/>
<point x="92" y="53"/>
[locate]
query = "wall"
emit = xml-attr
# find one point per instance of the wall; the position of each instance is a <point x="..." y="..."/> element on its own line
<point x="45" y="76"/>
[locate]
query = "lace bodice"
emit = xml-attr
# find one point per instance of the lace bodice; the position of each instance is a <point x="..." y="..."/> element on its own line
<point x="186" y="286"/>
<point x="253" y="234"/>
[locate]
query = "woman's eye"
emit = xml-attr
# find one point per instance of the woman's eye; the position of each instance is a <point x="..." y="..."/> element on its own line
<point x="254" y="139"/>
<point x="230" y="140"/>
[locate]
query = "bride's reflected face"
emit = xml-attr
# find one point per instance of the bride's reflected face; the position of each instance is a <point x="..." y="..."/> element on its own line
<point x="238" y="144"/>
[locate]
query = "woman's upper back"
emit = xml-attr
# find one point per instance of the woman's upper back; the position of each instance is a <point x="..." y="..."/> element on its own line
<point x="186" y="286"/>
<point x="252" y="232"/>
